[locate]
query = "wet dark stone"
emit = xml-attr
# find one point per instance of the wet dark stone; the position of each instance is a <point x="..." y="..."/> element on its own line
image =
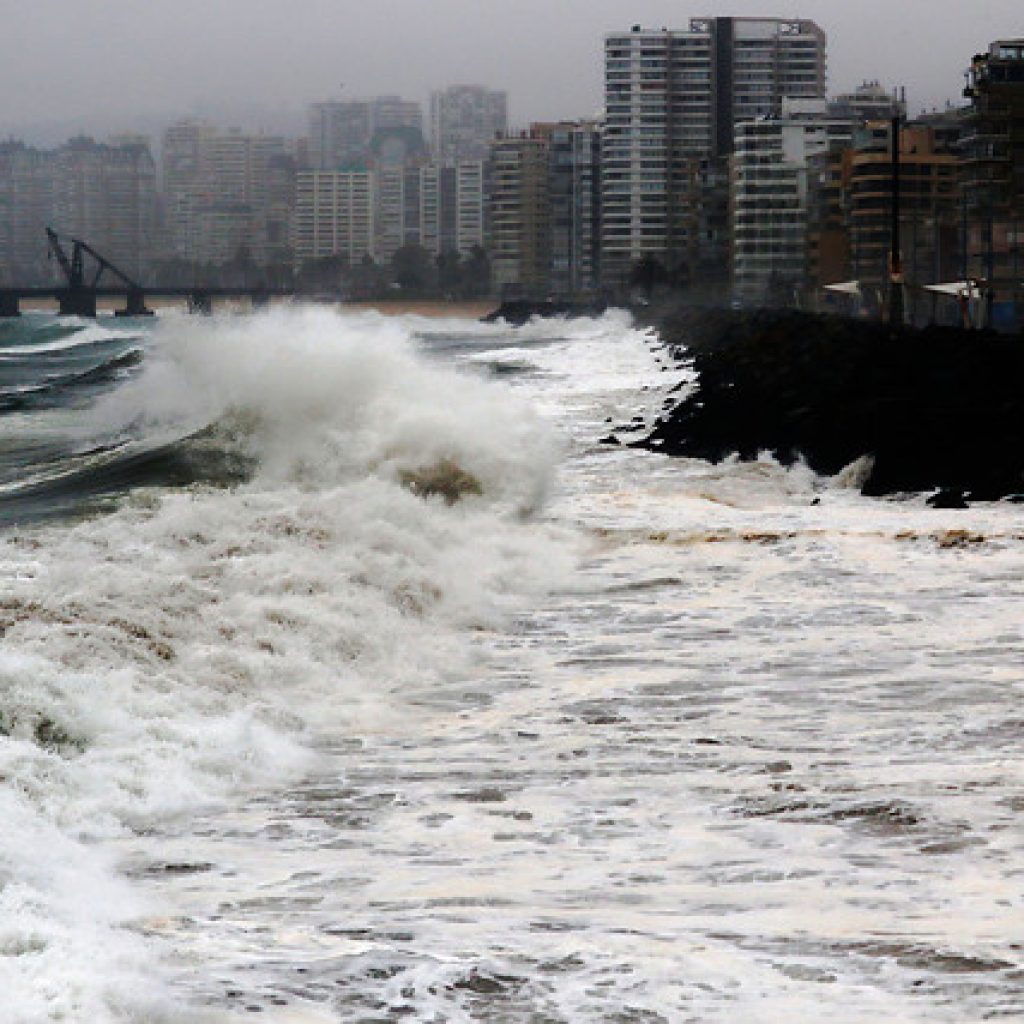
<point x="936" y="407"/>
<point x="170" y="868"/>
<point x="948" y="497"/>
<point x="518" y="312"/>
<point x="486" y="795"/>
<point x="485" y="984"/>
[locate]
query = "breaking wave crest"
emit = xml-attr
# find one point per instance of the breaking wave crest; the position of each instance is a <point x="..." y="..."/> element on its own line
<point x="200" y="642"/>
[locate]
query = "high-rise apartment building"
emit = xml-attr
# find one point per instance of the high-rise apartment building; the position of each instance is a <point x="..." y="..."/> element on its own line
<point x="771" y="166"/>
<point x="759" y="62"/>
<point x="657" y="126"/>
<point x="928" y="206"/>
<point x="341" y="132"/>
<point x="102" y="193"/>
<point x="992" y="176"/>
<point x="520" y="215"/>
<point x="377" y="212"/>
<point x="452" y="212"/>
<point x="334" y="215"/>
<point x="396" y="209"/>
<point x="210" y="174"/>
<point x="471" y="187"/>
<point x="672" y="101"/>
<point x="544" y="210"/>
<point x="26" y="207"/>
<point x="464" y="120"/>
<point x="870" y="101"/>
<point x="574" y="174"/>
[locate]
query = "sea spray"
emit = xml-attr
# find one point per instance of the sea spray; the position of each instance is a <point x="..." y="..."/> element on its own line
<point x="198" y="644"/>
<point x="323" y="398"/>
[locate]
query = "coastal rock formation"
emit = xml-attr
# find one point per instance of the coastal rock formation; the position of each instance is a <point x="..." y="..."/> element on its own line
<point x="936" y="407"/>
<point x="518" y="312"/>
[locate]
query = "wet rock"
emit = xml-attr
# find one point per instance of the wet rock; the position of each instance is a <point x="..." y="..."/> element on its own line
<point x="518" y="312"/>
<point x="948" y="497"/>
<point x="935" y="408"/>
<point x="483" y="984"/>
<point x="445" y="478"/>
<point x="485" y="795"/>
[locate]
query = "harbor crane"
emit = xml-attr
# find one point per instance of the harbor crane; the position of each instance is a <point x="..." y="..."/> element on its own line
<point x="79" y="297"/>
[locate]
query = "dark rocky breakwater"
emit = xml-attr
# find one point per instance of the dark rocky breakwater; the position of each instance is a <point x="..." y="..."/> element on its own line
<point x="519" y="312"/>
<point x="937" y="409"/>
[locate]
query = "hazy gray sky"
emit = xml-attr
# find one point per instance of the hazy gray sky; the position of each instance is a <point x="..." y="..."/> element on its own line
<point x="98" y="65"/>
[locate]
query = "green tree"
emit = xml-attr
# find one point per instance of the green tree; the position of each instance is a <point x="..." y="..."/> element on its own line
<point x="411" y="269"/>
<point x="449" y="272"/>
<point x="476" y="273"/>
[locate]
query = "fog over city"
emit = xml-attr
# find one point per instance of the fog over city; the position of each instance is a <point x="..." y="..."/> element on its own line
<point x="100" y="66"/>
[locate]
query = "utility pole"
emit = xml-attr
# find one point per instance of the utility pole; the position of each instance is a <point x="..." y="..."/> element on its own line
<point x="895" y="256"/>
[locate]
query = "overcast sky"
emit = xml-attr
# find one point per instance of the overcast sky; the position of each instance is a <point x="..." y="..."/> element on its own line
<point x="102" y="65"/>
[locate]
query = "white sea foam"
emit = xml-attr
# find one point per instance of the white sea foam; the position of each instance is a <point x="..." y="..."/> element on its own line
<point x="90" y="333"/>
<point x="756" y="759"/>
<point x="200" y="644"/>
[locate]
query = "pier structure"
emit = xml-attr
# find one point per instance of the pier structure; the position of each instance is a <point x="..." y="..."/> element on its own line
<point x="80" y="292"/>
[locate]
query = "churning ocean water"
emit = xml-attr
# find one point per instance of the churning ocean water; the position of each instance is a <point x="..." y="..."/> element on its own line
<point x="287" y="734"/>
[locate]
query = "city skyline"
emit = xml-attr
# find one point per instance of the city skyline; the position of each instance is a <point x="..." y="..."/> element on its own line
<point x="260" y="64"/>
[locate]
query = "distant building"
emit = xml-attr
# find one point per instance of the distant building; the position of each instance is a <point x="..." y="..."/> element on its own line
<point x="396" y="209"/>
<point x="928" y="204"/>
<point x="520" y="216"/>
<point x="992" y="176"/>
<point x="227" y="177"/>
<point x="26" y="208"/>
<point x="545" y="210"/>
<point x="341" y="132"/>
<point x="828" y="237"/>
<point x="279" y="201"/>
<point x="672" y="101"/>
<point x="452" y="215"/>
<point x="102" y="193"/>
<point x="870" y="101"/>
<point x="658" y="124"/>
<point x="334" y="215"/>
<point x="471" y="225"/>
<point x="106" y="194"/>
<point x="464" y="120"/>
<point x="770" y="197"/>
<point x="574" y="195"/>
<point x="378" y="211"/>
